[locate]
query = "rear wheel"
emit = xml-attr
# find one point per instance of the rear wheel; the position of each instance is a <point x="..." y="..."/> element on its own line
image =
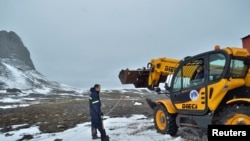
<point x="165" y="123"/>
<point x="234" y="115"/>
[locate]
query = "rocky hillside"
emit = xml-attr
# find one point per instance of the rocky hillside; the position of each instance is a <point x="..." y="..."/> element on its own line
<point x="13" y="49"/>
<point x="17" y="71"/>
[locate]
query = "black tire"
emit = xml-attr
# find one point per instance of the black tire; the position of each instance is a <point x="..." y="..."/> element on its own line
<point x="233" y="115"/>
<point x="165" y="123"/>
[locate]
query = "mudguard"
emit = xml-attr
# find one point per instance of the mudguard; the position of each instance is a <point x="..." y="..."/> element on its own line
<point x="238" y="100"/>
<point x="168" y="105"/>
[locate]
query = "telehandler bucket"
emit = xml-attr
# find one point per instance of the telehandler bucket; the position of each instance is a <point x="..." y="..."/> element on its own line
<point x="137" y="77"/>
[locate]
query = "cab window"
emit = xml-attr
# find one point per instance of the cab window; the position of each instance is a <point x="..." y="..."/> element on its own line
<point x="217" y="63"/>
<point x="191" y="73"/>
<point x="238" y="68"/>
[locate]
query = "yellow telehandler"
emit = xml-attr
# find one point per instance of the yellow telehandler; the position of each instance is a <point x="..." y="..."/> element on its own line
<point x="220" y="96"/>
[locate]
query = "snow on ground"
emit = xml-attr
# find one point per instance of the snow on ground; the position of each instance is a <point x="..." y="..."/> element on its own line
<point x="136" y="127"/>
<point x="15" y="102"/>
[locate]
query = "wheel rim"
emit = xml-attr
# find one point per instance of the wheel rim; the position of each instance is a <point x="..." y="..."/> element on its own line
<point x="161" y="120"/>
<point x="238" y="119"/>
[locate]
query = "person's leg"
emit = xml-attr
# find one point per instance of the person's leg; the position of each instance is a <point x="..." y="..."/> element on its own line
<point x="94" y="133"/>
<point x="93" y="129"/>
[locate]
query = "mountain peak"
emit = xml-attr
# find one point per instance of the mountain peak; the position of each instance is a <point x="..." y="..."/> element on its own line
<point x="17" y="71"/>
<point x="12" y="48"/>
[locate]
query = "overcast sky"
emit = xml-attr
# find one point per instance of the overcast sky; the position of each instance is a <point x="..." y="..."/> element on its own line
<point x="82" y="42"/>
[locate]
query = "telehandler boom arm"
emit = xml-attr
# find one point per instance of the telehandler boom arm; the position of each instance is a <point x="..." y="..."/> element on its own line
<point x="156" y="72"/>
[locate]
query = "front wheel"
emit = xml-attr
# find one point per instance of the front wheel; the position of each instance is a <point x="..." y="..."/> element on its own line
<point x="165" y="122"/>
<point x="234" y="115"/>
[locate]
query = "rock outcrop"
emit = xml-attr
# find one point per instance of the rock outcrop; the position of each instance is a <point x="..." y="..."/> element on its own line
<point x="13" y="50"/>
<point x="17" y="71"/>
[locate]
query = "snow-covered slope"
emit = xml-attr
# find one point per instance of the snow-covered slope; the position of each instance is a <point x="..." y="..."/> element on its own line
<point x="13" y="79"/>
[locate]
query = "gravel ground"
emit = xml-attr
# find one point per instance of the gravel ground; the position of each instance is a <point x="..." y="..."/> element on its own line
<point x="58" y="114"/>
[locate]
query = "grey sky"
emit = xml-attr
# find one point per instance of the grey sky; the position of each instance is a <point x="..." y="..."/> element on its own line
<point x="83" y="42"/>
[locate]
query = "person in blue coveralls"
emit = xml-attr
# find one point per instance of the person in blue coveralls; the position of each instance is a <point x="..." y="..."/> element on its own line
<point x="96" y="113"/>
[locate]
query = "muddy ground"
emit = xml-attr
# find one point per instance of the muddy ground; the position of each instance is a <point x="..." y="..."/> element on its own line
<point x="58" y="114"/>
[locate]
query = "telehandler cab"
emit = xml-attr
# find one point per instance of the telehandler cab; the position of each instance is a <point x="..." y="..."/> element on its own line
<point x="222" y="96"/>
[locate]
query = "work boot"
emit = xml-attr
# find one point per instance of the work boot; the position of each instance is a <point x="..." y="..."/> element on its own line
<point x="94" y="133"/>
<point x="95" y="137"/>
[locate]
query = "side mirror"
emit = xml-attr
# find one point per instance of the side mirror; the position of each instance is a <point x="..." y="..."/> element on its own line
<point x="157" y="89"/>
<point x="167" y="87"/>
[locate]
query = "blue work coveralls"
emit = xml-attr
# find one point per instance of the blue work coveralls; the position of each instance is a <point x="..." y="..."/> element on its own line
<point x="95" y="111"/>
